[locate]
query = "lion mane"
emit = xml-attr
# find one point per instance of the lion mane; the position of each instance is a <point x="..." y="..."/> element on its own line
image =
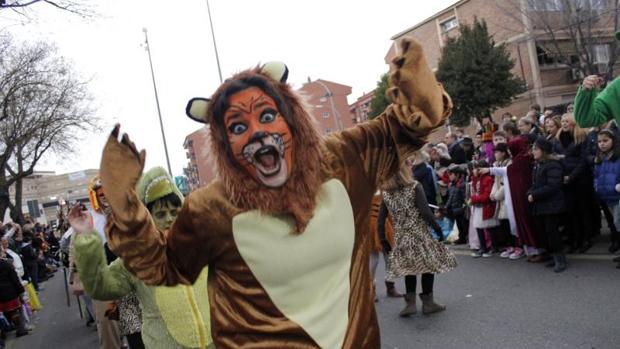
<point x="298" y="195"/>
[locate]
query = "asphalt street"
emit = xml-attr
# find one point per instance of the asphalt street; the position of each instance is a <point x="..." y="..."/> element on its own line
<point x="491" y="303"/>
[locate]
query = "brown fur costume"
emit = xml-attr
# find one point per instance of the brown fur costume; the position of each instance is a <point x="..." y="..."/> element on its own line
<point x="269" y="288"/>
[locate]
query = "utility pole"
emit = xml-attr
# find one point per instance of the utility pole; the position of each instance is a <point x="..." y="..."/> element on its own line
<point x="161" y="124"/>
<point x="217" y="56"/>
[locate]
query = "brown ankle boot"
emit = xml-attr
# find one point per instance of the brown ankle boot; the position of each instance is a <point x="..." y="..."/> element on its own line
<point x="410" y="307"/>
<point x="428" y="304"/>
<point x="391" y="290"/>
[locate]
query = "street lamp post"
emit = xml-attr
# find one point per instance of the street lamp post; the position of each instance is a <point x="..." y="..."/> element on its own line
<point x="330" y="95"/>
<point x="217" y="57"/>
<point x="161" y="124"/>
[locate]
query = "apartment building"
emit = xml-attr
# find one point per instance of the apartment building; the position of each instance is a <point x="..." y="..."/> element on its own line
<point x="199" y="171"/>
<point x="44" y="192"/>
<point x="328" y="103"/>
<point x="546" y="64"/>
<point x="361" y="107"/>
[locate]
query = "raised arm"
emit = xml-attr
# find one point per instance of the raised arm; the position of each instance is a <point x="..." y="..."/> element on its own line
<point x="154" y="257"/>
<point x="594" y="107"/>
<point x="419" y="105"/>
<point x="101" y="281"/>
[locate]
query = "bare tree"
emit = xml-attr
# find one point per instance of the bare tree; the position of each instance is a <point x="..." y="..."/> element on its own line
<point x="80" y="8"/>
<point x="574" y="33"/>
<point x="44" y="108"/>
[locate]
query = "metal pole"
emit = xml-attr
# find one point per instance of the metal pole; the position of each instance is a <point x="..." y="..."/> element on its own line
<point x="161" y="124"/>
<point x="330" y="95"/>
<point x="217" y="57"/>
<point x="64" y="272"/>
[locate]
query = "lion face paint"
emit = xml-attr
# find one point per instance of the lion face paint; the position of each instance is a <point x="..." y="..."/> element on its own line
<point x="259" y="137"/>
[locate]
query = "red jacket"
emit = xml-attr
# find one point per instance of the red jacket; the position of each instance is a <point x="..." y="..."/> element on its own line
<point x="481" y="194"/>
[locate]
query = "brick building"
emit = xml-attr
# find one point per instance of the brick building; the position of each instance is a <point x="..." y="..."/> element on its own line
<point x="329" y="105"/>
<point x="361" y="108"/>
<point x="199" y="171"/>
<point x="548" y="81"/>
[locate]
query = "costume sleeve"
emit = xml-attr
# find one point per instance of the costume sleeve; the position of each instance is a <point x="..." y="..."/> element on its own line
<point x="381" y="218"/>
<point x="498" y="171"/>
<point x="419" y="105"/>
<point x="101" y="281"/>
<point x="425" y="211"/>
<point x="553" y="183"/>
<point x="593" y="108"/>
<point x="174" y="258"/>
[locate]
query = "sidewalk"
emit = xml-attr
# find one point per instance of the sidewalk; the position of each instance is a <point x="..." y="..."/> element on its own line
<point x="599" y="250"/>
<point x="56" y="325"/>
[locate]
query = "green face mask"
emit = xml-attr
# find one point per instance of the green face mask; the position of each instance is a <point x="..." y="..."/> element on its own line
<point x="164" y="214"/>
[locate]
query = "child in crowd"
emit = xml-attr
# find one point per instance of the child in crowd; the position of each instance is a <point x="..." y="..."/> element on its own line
<point x="483" y="209"/>
<point x="455" y="204"/>
<point x="607" y="175"/>
<point x="498" y="195"/>
<point x="499" y="137"/>
<point x="547" y="199"/>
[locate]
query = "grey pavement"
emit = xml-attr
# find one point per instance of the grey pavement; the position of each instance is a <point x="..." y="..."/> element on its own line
<point x="56" y="325"/>
<point x="491" y="303"/>
<point x="497" y="303"/>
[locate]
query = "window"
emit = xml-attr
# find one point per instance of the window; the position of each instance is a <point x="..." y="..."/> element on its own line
<point x="545" y="5"/>
<point x="325" y="115"/>
<point x="449" y="24"/>
<point x="591" y="4"/>
<point x="600" y="57"/>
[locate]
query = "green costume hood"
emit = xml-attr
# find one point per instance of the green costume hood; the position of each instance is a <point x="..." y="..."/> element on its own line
<point x="155" y="184"/>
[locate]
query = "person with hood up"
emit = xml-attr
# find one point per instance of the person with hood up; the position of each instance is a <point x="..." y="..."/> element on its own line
<point x="172" y="317"/>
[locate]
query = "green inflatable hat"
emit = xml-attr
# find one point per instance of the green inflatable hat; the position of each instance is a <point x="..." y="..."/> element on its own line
<point x="155" y="184"/>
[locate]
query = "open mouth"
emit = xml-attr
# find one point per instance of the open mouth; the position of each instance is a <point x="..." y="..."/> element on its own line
<point x="267" y="160"/>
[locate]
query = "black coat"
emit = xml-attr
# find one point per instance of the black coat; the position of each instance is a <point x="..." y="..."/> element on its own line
<point x="547" y="188"/>
<point x="10" y="285"/>
<point x="424" y="175"/>
<point x="29" y="255"/>
<point x="575" y="160"/>
<point x="455" y="205"/>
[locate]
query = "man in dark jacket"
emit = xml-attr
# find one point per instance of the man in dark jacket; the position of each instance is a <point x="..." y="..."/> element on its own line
<point x="457" y="154"/>
<point x="30" y="259"/>
<point x="424" y="174"/>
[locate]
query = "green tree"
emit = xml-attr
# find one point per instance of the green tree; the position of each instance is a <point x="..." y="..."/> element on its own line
<point x="476" y="73"/>
<point x="379" y="101"/>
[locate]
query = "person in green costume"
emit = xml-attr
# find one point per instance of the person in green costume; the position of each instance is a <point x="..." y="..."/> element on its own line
<point x="594" y="107"/>
<point x="172" y="317"/>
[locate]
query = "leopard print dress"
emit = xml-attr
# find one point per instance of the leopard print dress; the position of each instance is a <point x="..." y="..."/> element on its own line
<point x="415" y="251"/>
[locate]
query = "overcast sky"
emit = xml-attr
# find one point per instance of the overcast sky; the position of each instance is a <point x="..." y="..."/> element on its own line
<point x="340" y="41"/>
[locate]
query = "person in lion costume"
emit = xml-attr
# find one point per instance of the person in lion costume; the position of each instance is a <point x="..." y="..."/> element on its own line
<point x="284" y="229"/>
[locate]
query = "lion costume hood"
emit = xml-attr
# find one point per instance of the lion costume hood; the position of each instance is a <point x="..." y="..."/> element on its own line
<point x="298" y="195"/>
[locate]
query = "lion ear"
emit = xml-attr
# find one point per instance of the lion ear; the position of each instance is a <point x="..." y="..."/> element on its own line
<point x="197" y="109"/>
<point x="275" y="70"/>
